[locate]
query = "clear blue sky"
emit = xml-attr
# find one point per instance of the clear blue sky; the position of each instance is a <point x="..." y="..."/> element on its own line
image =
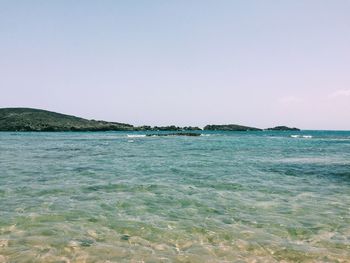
<point x="183" y="62"/>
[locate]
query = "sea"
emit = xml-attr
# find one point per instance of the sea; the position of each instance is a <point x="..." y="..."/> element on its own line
<point x="269" y="196"/>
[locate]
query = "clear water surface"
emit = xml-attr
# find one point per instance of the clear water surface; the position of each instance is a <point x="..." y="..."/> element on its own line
<point x="221" y="197"/>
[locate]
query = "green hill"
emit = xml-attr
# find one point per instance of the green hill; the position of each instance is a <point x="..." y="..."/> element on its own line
<point x="27" y="119"/>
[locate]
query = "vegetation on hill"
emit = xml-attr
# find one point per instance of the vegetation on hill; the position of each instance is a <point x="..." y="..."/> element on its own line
<point x="27" y="119"/>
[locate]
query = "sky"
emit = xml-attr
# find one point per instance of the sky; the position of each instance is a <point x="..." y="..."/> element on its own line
<point x="183" y="62"/>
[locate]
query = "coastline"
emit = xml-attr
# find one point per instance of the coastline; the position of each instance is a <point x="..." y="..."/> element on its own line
<point x="36" y="120"/>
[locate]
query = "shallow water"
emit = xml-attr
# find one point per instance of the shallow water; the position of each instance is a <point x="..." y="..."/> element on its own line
<point x="224" y="197"/>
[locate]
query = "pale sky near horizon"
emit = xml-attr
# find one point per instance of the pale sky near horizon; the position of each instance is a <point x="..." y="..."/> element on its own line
<point x="184" y="62"/>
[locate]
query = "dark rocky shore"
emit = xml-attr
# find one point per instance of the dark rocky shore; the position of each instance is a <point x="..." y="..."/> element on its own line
<point x="230" y="127"/>
<point x="175" y="134"/>
<point x="282" y="128"/>
<point x="28" y="119"/>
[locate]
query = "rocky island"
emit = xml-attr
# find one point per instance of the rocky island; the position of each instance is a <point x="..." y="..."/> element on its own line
<point x="230" y="127"/>
<point x="167" y="128"/>
<point x="282" y="128"/>
<point x="192" y="134"/>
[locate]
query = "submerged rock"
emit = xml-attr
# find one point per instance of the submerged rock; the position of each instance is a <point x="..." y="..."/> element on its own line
<point x="125" y="237"/>
<point x="86" y="242"/>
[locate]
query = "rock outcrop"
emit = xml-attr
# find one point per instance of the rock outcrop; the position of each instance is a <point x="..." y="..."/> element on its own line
<point x="283" y="128"/>
<point x="230" y="127"/>
<point x="176" y="134"/>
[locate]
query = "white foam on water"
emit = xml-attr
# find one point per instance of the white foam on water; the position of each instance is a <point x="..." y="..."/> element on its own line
<point x="136" y="135"/>
<point x="307" y="136"/>
<point x="301" y="136"/>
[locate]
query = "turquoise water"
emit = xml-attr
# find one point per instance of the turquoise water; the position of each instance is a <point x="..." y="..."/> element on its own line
<point x="223" y="197"/>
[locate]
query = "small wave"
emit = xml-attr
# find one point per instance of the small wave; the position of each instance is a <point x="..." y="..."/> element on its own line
<point x="307" y="136"/>
<point x="301" y="136"/>
<point x="136" y="135"/>
<point x="207" y="135"/>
